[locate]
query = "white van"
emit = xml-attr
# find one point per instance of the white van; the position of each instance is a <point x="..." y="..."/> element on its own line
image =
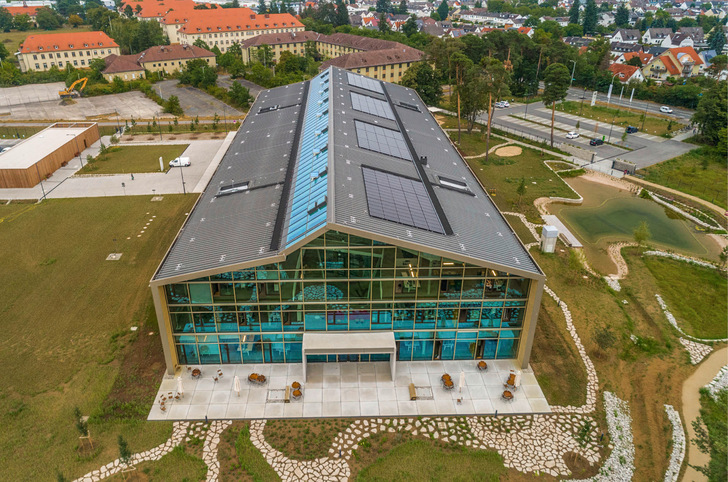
<point x="180" y="162"/>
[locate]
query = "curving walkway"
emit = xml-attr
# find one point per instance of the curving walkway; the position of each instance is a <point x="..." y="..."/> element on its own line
<point x="691" y="409"/>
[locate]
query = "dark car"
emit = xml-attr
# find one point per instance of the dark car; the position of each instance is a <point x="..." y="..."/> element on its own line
<point x="632" y="129"/>
<point x="596" y="142"/>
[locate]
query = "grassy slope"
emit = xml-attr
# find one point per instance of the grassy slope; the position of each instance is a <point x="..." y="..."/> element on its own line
<point x="695" y="295"/>
<point x="128" y="159"/>
<point x="504" y="174"/>
<point x="413" y="459"/>
<point x="686" y="173"/>
<point x="61" y="304"/>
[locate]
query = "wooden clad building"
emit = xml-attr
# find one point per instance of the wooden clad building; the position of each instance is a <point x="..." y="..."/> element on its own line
<point x="39" y="156"/>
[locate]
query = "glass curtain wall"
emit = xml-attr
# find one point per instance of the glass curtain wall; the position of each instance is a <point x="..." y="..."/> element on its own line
<point x="438" y="308"/>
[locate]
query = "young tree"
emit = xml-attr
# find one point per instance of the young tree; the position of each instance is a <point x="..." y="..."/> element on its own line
<point x="6" y="20"/>
<point x="521" y="190"/>
<point x="124" y="452"/>
<point x="556" y="85"/>
<point x="172" y="106"/>
<point x="128" y="12"/>
<point x="423" y="79"/>
<point x="460" y="63"/>
<point x="240" y="95"/>
<point x="642" y="233"/>
<point x="198" y="73"/>
<point x="472" y="101"/>
<point x="621" y="17"/>
<point x="443" y="10"/>
<point x="591" y="17"/>
<point x="264" y="53"/>
<point x="383" y="24"/>
<point x="497" y="79"/>
<point x="410" y="26"/>
<point x="22" y="22"/>
<point x="574" y="12"/>
<point x="635" y="61"/>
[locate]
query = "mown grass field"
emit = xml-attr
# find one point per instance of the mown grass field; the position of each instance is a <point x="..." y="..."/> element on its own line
<point x="133" y="159"/>
<point x="66" y="315"/>
<point x="699" y="172"/>
<point x="473" y="144"/>
<point x="622" y="117"/>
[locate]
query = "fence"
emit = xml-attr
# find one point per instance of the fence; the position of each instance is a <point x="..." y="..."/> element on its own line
<point x="528" y="136"/>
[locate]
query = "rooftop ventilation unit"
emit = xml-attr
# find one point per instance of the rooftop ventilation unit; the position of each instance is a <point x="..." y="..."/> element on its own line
<point x="318" y="204"/>
<point x="409" y="106"/>
<point x="232" y="188"/>
<point x="271" y="108"/>
<point x="453" y="184"/>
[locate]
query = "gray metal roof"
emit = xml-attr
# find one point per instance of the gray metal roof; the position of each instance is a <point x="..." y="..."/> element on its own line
<point x="251" y="225"/>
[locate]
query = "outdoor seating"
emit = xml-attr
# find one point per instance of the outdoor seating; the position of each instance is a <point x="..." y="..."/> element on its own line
<point x="447" y="382"/>
<point x="219" y="373"/>
<point x="507" y="395"/>
<point x="296" y="394"/>
<point x="287" y="395"/>
<point x="412" y="391"/>
<point x="482" y="366"/>
<point x="256" y="378"/>
<point x="295" y="385"/>
<point x="511" y="382"/>
<point x="196" y="373"/>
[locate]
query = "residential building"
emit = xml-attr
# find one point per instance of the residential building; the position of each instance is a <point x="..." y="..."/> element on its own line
<point x="156" y="9"/>
<point x="344" y="219"/>
<point x="675" y="62"/>
<point x="619" y="48"/>
<point x="41" y="52"/>
<point x="387" y="64"/>
<point x="625" y="35"/>
<point x="644" y="57"/>
<point x="675" y="40"/>
<point x="223" y="27"/>
<point x="627" y="73"/>
<point x="655" y="36"/>
<point x="29" y="11"/>
<point x="162" y="58"/>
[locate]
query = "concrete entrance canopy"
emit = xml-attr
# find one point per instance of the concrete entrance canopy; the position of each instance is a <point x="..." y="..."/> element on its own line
<point x="350" y="344"/>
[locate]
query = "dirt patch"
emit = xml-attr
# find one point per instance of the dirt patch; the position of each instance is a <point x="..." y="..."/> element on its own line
<point x="509" y="151"/>
<point x="304" y="439"/>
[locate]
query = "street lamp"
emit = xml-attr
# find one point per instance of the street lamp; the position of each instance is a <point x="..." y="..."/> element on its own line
<point x="40" y="180"/>
<point x="573" y="71"/>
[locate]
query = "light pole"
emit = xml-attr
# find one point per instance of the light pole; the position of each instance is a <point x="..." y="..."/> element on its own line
<point x="75" y="139"/>
<point x="181" y="173"/>
<point x="40" y="180"/>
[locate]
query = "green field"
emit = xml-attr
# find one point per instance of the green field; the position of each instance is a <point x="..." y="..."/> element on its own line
<point x="413" y="459"/>
<point x="66" y="314"/>
<point x="504" y="175"/>
<point x="695" y="295"/>
<point x="13" y="39"/>
<point x="473" y="144"/>
<point x="699" y="172"/>
<point x="622" y="117"/>
<point x="133" y="159"/>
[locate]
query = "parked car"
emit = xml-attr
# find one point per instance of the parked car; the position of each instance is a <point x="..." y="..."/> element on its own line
<point x="596" y="142"/>
<point x="632" y="129"/>
<point x="502" y="104"/>
<point x="180" y="162"/>
<point x="665" y="110"/>
<point x="572" y="135"/>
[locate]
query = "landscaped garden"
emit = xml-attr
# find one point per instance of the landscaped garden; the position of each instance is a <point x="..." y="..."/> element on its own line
<point x="132" y="159"/>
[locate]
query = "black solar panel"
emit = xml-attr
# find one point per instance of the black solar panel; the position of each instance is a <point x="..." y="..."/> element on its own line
<point x="364" y="82"/>
<point x="382" y="140"/>
<point x="370" y="105"/>
<point x="400" y="199"/>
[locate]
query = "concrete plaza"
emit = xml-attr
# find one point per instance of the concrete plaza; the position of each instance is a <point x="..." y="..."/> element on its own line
<point x="348" y="390"/>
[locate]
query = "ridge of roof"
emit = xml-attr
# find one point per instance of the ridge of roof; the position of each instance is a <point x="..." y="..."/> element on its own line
<point x="65" y="41"/>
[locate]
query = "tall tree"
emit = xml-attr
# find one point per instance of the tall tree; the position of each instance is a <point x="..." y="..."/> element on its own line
<point x="556" y="80"/>
<point x="423" y="79"/>
<point x="710" y="115"/>
<point x="342" y="14"/>
<point x="472" y="101"/>
<point x="410" y="26"/>
<point x="383" y="6"/>
<point x="443" y="10"/>
<point x="621" y="16"/>
<point x="22" y="22"/>
<point x="261" y="6"/>
<point x="716" y="39"/>
<point x="574" y="12"/>
<point x="6" y="20"/>
<point x="497" y="79"/>
<point x="591" y="17"/>
<point x="402" y="9"/>
<point x="383" y="24"/>
<point x="461" y="64"/>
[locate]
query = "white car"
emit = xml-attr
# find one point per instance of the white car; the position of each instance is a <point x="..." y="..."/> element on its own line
<point x="504" y="104"/>
<point x="572" y="135"/>
<point x="180" y="162"/>
<point x="665" y="110"/>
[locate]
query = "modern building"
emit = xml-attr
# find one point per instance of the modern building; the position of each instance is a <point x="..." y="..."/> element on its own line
<point x="39" y="156"/>
<point x="41" y="52"/>
<point x="160" y="58"/>
<point x="342" y="209"/>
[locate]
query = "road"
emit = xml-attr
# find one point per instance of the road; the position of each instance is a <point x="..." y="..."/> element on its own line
<point x="680" y="114"/>
<point x="641" y="148"/>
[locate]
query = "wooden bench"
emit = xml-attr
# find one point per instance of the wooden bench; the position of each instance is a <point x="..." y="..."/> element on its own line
<point x="413" y="392"/>
<point x="287" y="397"/>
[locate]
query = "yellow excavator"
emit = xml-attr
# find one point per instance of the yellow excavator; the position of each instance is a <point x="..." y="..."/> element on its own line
<point x="70" y="92"/>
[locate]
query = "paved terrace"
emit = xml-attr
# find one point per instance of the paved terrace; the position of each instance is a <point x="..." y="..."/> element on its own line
<point x="348" y="390"/>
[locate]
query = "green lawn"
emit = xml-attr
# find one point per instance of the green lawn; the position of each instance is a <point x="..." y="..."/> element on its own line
<point x="176" y="465"/>
<point x="133" y="159"/>
<point x="622" y="117"/>
<point x="252" y="460"/>
<point x="699" y="172"/>
<point x="66" y="314"/>
<point x="14" y="38"/>
<point x="473" y="144"/>
<point x="695" y="295"/>
<point x="421" y="460"/>
<point x="504" y="175"/>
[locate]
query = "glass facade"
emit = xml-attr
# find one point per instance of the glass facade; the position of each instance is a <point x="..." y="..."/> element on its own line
<point x="438" y="309"/>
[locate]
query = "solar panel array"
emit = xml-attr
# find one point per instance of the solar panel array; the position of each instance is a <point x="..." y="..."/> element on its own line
<point x="400" y="199"/>
<point x="364" y="82"/>
<point x="382" y="140"/>
<point x="370" y="105"/>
